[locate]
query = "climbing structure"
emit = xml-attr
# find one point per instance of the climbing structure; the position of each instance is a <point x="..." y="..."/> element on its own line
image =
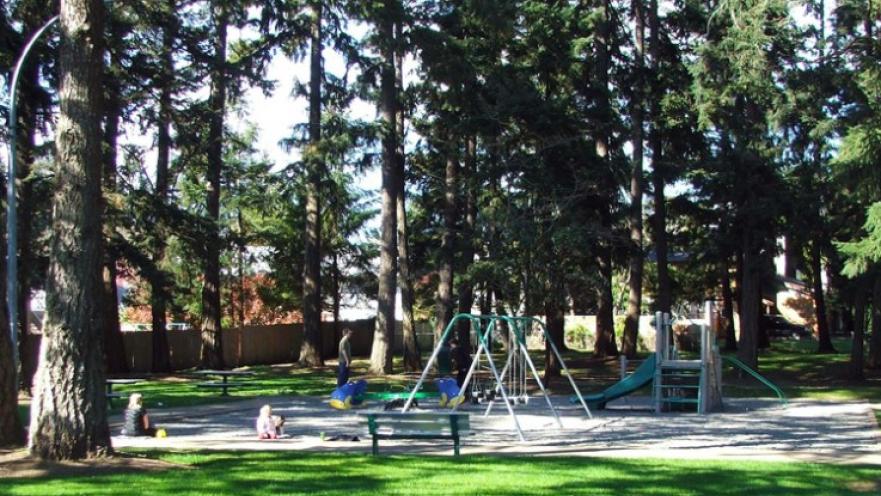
<point x="686" y="381"/>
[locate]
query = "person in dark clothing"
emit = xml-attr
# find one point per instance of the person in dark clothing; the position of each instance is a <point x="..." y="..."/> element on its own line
<point x="137" y="422"/>
<point x="462" y="361"/>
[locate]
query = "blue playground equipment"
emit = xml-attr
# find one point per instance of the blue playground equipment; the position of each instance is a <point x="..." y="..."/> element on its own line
<point x="351" y="393"/>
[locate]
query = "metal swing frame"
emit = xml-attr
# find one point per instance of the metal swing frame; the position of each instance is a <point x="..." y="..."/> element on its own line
<point x="516" y="326"/>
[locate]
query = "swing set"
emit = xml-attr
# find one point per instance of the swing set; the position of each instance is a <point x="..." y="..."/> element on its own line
<point x="510" y="382"/>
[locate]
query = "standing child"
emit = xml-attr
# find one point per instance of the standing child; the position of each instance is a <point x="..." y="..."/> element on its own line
<point x="266" y="428"/>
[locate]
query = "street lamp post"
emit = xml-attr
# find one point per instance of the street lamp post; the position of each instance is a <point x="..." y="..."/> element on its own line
<point x="11" y="212"/>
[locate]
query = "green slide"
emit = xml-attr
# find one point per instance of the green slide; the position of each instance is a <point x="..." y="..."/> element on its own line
<point x="643" y="375"/>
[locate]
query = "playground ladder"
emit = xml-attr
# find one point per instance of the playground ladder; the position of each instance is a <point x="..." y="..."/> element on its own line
<point x="676" y="381"/>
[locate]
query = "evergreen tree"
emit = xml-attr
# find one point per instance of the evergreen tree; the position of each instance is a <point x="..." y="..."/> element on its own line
<point x="70" y="378"/>
<point x="384" y="19"/>
<point x="634" y="303"/>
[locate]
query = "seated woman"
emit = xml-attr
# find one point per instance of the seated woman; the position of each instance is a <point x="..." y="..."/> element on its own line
<point x="137" y="422"/>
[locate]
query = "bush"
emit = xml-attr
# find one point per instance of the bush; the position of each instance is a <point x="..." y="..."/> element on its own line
<point x="579" y="336"/>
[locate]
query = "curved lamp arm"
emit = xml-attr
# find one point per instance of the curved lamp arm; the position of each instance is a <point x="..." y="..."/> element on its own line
<point x="11" y="212"/>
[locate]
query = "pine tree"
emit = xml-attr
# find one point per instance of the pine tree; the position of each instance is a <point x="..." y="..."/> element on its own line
<point x="383" y="336"/>
<point x="310" y="351"/>
<point x="634" y="303"/>
<point x="212" y="345"/>
<point x="70" y="377"/>
<point x="412" y="358"/>
<point x="114" y="347"/>
<point x="158" y="284"/>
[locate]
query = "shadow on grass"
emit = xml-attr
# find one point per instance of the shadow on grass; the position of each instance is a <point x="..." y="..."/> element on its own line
<point x="255" y="473"/>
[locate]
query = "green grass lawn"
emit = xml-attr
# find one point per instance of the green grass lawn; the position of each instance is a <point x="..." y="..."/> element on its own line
<point x="183" y="390"/>
<point x="180" y="389"/>
<point x="275" y="473"/>
<point x="795" y="366"/>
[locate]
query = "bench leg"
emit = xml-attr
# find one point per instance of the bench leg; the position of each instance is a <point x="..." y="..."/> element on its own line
<point x="456" y="446"/>
<point x="375" y="446"/>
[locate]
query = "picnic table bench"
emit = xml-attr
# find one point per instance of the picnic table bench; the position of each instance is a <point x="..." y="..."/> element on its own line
<point x="417" y="425"/>
<point x="224" y="385"/>
<point x="110" y="395"/>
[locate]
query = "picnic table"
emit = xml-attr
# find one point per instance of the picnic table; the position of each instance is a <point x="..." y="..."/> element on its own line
<point x="224" y="385"/>
<point x="109" y="385"/>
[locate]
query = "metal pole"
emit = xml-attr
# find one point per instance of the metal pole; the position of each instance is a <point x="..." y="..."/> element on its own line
<point x="431" y="360"/>
<point x="540" y="385"/>
<point x="502" y="374"/>
<point x="556" y="353"/>
<point x="660" y="347"/>
<point x="492" y="367"/>
<point x="476" y="361"/>
<point x="11" y="213"/>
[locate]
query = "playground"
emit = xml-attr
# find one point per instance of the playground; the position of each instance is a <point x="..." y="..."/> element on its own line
<point x="677" y="420"/>
<point x="590" y="442"/>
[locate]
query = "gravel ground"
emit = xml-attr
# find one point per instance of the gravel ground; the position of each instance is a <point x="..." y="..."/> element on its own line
<point x="817" y="431"/>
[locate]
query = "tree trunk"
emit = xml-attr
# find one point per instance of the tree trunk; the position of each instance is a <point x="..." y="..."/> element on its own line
<point x="605" y="334"/>
<point x="634" y="301"/>
<point x="383" y="336"/>
<point x="728" y="309"/>
<point x="466" y="285"/>
<point x="310" y="351"/>
<point x="113" y="342"/>
<point x="823" y="336"/>
<point x="486" y="302"/>
<point x="747" y="350"/>
<point x="874" y="361"/>
<point x="663" y="297"/>
<point x="555" y="319"/>
<point x="763" y="340"/>
<point x="412" y="358"/>
<point x="335" y="285"/>
<point x="791" y="256"/>
<point x="161" y="358"/>
<point x="25" y="146"/>
<point x="444" y="305"/>
<point x="69" y="410"/>
<point x="857" y="350"/>
<point x="212" y="345"/>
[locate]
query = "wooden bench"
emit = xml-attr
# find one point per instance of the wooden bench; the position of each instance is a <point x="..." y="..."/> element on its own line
<point x="416" y="425"/>
<point x="224" y="386"/>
